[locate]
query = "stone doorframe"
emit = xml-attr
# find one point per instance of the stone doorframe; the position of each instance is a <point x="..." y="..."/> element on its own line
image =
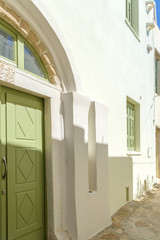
<point x="17" y="79"/>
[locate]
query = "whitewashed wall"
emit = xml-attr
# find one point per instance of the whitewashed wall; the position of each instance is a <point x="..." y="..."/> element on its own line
<point x="86" y="212"/>
<point x="113" y="64"/>
<point x="98" y="55"/>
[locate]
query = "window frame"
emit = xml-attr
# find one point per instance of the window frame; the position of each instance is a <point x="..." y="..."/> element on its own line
<point x="130" y="126"/>
<point x="132" y="21"/>
<point x="129" y="10"/>
<point x="136" y="149"/>
<point x="19" y="42"/>
<point x="38" y="60"/>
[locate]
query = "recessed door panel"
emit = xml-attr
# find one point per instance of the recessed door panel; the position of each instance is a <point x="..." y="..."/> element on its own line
<point x="25" y="163"/>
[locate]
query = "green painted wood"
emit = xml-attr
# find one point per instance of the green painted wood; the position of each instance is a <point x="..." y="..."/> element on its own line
<point x="3" y="198"/>
<point x="132" y="14"/>
<point x="130" y="126"/>
<point x="128" y="10"/>
<point x="20" y="47"/>
<point x="135" y="15"/>
<point x="25" y="160"/>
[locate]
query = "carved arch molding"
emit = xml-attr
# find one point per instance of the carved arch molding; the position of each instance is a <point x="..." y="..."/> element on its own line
<point x="26" y="30"/>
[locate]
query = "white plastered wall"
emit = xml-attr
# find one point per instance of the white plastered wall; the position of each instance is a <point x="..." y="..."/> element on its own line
<point x="114" y="64"/>
<point x="157" y="98"/>
<point x="120" y="182"/>
<point x="54" y="155"/>
<point x="85" y="213"/>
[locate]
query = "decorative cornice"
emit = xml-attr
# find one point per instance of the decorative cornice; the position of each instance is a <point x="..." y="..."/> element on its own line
<point x="7" y="73"/>
<point x="150" y="5"/>
<point x="150" y="25"/>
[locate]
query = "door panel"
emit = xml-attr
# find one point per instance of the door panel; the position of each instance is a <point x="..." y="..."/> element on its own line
<point x="25" y="179"/>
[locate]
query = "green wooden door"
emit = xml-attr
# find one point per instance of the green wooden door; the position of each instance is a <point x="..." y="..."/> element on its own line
<point x="25" y="163"/>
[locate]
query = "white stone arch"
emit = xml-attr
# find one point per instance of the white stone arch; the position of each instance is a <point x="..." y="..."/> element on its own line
<point x="36" y="14"/>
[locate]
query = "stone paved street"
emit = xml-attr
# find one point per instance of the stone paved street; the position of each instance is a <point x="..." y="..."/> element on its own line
<point x="137" y="220"/>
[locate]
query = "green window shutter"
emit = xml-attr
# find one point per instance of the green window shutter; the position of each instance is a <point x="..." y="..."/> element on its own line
<point x="135" y="16"/>
<point x="129" y="10"/>
<point x="130" y="126"/>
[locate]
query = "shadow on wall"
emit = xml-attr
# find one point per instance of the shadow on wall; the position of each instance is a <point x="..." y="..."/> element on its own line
<point x="143" y="186"/>
<point x="120" y="182"/>
<point x="86" y="193"/>
<point x="85" y="212"/>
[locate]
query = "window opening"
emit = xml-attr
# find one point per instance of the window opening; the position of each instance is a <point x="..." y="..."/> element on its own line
<point x="128" y="10"/>
<point x="130" y="126"/>
<point x="30" y="62"/>
<point x="17" y="50"/>
<point x="6" y="45"/>
<point x="132" y="15"/>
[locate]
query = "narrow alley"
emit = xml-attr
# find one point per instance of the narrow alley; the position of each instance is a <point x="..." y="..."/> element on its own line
<point x="137" y="220"/>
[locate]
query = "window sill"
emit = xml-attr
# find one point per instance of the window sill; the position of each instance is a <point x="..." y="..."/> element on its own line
<point x="135" y="34"/>
<point x="8" y="61"/>
<point x="133" y="153"/>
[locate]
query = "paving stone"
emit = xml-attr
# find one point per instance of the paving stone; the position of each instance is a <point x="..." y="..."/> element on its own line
<point x="141" y="224"/>
<point x="119" y="231"/>
<point x="110" y="236"/>
<point x="137" y="220"/>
